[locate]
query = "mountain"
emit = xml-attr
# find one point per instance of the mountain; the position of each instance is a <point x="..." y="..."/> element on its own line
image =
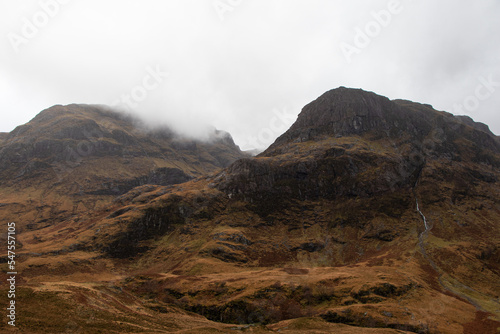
<point x="355" y="143"/>
<point x="366" y="216"/>
<point x="71" y="159"/>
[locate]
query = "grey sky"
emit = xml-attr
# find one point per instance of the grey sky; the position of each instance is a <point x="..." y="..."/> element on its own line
<point x="246" y="66"/>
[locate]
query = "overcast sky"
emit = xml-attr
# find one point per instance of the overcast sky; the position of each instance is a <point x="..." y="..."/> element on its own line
<point x="246" y="66"/>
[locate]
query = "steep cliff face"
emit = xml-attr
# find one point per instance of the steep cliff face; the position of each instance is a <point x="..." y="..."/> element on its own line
<point x="344" y="112"/>
<point x="358" y="144"/>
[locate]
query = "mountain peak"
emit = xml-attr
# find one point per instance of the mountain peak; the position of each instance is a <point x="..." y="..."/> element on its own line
<point x="74" y="137"/>
<point x="345" y="112"/>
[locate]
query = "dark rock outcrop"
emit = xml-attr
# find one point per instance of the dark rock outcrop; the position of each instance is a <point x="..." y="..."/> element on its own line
<point x="355" y="143"/>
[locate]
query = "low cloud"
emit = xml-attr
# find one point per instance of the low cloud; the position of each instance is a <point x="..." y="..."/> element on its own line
<point x="233" y="73"/>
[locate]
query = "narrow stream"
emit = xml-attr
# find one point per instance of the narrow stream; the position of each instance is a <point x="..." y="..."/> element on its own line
<point x="440" y="272"/>
<point x="422" y="236"/>
<point x="423" y="217"/>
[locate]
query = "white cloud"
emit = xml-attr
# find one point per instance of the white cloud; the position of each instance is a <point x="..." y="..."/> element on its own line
<point x="264" y="55"/>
